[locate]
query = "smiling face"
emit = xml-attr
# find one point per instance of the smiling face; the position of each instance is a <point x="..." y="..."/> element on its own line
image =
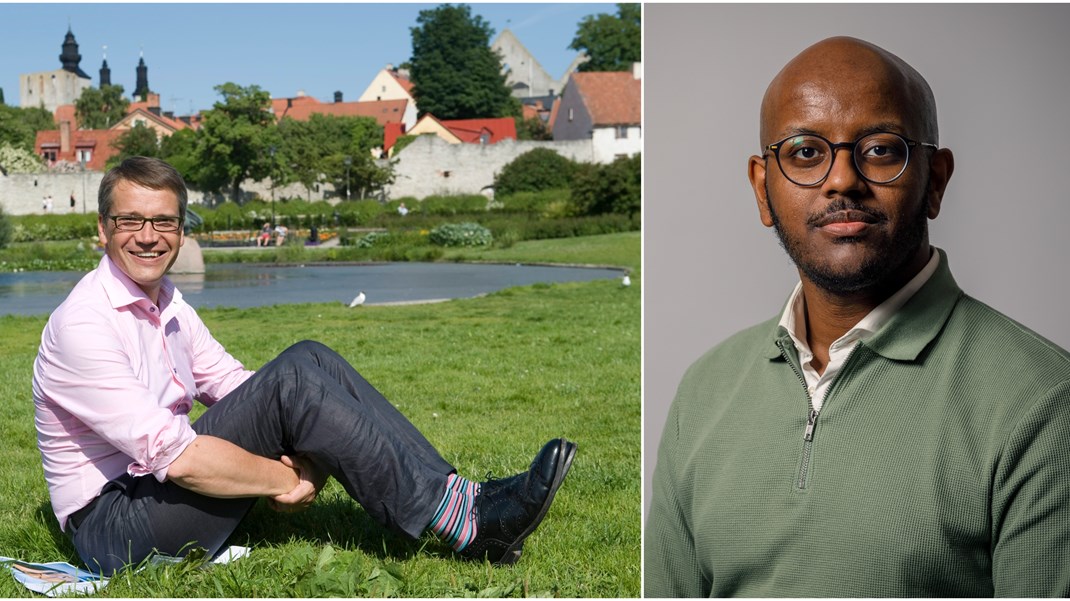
<point x="144" y="255"/>
<point x="846" y="234"/>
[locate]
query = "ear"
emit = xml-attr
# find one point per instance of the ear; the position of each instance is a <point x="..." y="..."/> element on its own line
<point x="941" y="167"/>
<point x="756" y="173"/>
<point x="102" y="236"/>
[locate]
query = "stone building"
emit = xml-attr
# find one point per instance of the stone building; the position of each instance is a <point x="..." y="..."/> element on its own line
<point x="51" y="89"/>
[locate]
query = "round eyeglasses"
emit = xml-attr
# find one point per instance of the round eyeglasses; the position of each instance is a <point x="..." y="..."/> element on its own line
<point x="133" y="223"/>
<point x="880" y="158"/>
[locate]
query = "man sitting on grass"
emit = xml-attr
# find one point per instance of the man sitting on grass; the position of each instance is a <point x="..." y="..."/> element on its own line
<point x="121" y="362"/>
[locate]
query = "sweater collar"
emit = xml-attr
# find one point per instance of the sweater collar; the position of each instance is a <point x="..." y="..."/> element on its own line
<point x="917" y="323"/>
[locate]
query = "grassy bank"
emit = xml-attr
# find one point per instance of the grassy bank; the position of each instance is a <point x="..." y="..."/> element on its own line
<point x="488" y="380"/>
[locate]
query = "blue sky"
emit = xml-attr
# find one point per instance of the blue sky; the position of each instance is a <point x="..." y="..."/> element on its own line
<point x="283" y="48"/>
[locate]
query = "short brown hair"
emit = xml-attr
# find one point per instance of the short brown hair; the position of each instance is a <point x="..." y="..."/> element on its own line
<point x="146" y="172"/>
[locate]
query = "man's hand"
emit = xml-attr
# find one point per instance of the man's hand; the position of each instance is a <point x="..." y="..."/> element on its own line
<point x="302" y="496"/>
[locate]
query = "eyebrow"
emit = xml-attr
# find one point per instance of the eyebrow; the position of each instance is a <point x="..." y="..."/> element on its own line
<point x="883" y="126"/>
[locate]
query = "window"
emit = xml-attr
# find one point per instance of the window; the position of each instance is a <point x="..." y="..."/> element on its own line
<point x="484" y="138"/>
<point x="84" y="155"/>
<point x="49" y="155"/>
<point x="622" y="132"/>
<point x="570" y="115"/>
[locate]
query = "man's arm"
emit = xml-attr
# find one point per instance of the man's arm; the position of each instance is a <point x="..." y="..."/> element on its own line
<point x="1031" y="503"/>
<point x="671" y="565"/>
<point x="215" y="467"/>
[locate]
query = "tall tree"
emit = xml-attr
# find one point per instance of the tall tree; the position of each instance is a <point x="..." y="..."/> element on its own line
<point x="455" y="73"/>
<point x="612" y="42"/>
<point x="19" y="126"/>
<point x="234" y="141"/>
<point x="140" y="140"/>
<point x="100" y="108"/>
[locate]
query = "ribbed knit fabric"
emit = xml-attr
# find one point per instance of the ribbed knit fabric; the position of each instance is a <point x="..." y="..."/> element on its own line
<point x="939" y="465"/>
<point x="455" y="518"/>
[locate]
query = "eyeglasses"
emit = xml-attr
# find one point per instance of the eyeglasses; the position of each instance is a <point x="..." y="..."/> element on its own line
<point x="880" y="158"/>
<point x="133" y="223"/>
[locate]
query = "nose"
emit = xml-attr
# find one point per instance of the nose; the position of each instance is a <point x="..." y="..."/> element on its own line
<point x="147" y="235"/>
<point x="843" y="178"/>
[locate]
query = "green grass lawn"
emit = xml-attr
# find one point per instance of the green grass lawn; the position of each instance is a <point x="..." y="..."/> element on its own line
<point x="488" y="380"/>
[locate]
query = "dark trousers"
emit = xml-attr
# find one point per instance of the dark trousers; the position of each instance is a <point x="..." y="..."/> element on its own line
<point x="308" y="401"/>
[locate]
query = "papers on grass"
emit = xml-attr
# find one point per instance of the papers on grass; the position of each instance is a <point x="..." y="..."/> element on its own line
<point x="61" y="578"/>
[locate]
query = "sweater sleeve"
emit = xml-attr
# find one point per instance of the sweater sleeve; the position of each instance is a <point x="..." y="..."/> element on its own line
<point x="1031" y="503"/>
<point x="671" y="565"/>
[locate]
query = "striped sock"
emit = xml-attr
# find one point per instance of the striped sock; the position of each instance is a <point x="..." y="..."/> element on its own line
<point x="455" y="519"/>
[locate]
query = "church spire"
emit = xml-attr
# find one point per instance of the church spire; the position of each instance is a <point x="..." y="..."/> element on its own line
<point x="70" y="57"/>
<point x="105" y="72"/>
<point x="141" y="90"/>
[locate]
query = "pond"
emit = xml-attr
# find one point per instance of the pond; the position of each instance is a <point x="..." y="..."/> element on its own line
<point x="255" y="285"/>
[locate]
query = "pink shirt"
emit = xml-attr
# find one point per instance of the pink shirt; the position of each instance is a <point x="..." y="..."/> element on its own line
<point x="114" y="381"/>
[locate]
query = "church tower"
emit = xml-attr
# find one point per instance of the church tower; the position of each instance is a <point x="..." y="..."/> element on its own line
<point x="70" y="58"/>
<point x="141" y="90"/>
<point x="105" y="72"/>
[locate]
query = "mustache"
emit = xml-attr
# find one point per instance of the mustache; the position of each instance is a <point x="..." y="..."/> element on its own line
<point x="842" y="205"/>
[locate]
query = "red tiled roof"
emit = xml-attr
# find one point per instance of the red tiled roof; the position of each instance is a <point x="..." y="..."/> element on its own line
<point x="99" y="140"/>
<point x="553" y="112"/>
<point x="471" y="130"/>
<point x="612" y="98"/>
<point x="391" y="133"/>
<point x="65" y="112"/>
<point x="403" y="81"/>
<point x="384" y="111"/>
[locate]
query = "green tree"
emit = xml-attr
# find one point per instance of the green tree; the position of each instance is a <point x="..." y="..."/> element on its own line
<point x="455" y="73"/>
<point x="532" y="129"/>
<point x="179" y="150"/>
<point x="19" y="126"/>
<point x="613" y="188"/>
<point x="234" y="139"/>
<point x="612" y="42"/>
<point x="19" y="160"/>
<point x="100" y="108"/>
<point x="139" y="140"/>
<point x="5" y="228"/>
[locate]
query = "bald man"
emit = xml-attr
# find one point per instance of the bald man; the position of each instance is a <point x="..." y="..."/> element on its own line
<point x="886" y="435"/>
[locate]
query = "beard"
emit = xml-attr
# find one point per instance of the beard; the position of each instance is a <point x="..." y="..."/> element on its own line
<point x="892" y="253"/>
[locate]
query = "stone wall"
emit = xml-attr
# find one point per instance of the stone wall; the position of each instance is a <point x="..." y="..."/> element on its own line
<point x="430" y="166"/>
<point x="426" y="167"/>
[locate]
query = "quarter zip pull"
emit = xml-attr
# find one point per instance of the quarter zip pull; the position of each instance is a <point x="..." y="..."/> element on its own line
<point x="811" y="421"/>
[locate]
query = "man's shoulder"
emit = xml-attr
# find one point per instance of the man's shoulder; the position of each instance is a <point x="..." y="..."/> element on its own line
<point x="727" y="357"/>
<point x="991" y="333"/>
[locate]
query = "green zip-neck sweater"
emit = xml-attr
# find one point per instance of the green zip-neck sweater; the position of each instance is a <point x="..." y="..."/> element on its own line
<point x="939" y="465"/>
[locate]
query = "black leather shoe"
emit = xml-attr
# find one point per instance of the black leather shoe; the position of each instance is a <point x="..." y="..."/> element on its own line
<point x="508" y="510"/>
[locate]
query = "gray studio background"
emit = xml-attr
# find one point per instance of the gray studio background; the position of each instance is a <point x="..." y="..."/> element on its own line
<point x="1000" y="76"/>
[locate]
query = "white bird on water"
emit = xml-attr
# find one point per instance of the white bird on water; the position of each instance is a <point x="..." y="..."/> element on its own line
<point x="359" y="300"/>
<point x="626" y="281"/>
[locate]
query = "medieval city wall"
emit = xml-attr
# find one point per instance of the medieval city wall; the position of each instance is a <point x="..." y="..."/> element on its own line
<point x="428" y="166"/>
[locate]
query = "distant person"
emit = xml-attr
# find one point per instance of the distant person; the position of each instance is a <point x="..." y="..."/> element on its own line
<point x="122" y="361"/>
<point x="72" y="202"/>
<point x="313" y="235"/>
<point x="403" y="210"/>
<point x="280" y="234"/>
<point x="264" y="238"/>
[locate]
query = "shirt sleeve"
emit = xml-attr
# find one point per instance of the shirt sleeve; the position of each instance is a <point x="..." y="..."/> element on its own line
<point x="1031" y="503"/>
<point x="215" y="371"/>
<point x="86" y="371"/>
<point x="671" y="565"/>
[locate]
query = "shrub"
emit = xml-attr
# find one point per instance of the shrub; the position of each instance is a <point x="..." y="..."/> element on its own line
<point x="371" y="239"/>
<point x="535" y="170"/>
<point x="31" y="228"/>
<point x="613" y="188"/>
<point x="5" y="229"/>
<point x="460" y="234"/>
<point x="535" y="203"/>
<point x="452" y="205"/>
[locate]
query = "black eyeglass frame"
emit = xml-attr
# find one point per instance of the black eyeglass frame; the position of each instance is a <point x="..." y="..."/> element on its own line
<point x="153" y="220"/>
<point x="835" y="146"/>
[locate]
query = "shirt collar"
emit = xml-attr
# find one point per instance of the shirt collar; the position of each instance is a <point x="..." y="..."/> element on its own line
<point x="123" y="291"/>
<point x="898" y="328"/>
